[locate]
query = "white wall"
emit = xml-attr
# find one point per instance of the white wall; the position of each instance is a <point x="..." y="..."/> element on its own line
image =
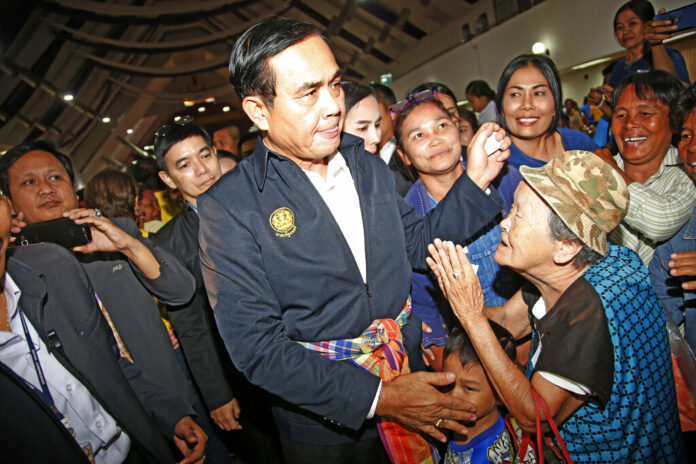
<point x="575" y="31"/>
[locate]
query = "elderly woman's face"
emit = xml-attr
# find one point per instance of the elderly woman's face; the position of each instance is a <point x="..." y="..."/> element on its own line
<point x="641" y="128"/>
<point x="687" y="143"/>
<point x="525" y="243"/>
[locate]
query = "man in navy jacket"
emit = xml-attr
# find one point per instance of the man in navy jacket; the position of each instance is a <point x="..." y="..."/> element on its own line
<point x="286" y="260"/>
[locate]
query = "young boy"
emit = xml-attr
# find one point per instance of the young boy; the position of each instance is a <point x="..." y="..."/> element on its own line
<point x="488" y="440"/>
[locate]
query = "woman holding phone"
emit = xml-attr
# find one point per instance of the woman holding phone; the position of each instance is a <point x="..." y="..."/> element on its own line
<point x="643" y="40"/>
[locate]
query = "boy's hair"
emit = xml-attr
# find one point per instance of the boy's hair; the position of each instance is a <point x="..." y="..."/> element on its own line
<point x="460" y="344"/>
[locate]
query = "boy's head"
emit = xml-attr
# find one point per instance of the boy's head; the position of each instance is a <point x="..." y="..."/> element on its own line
<point x="186" y="158"/>
<point x="472" y="383"/>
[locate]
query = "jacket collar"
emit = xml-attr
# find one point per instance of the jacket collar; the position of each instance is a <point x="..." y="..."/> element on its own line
<point x="32" y="285"/>
<point x="349" y="147"/>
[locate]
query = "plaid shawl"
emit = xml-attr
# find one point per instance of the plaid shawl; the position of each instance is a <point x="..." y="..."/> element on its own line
<point x="379" y="350"/>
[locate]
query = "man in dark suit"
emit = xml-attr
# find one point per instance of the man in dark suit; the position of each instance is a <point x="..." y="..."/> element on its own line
<point x="124" y="268"/>
<point x="93" y="402"/>
<point x="188" y="163"/>
<point x="307" y="241"/>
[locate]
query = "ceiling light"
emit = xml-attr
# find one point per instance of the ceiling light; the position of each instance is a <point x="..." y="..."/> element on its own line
<point x="129" y="131"/>
<point x="68" y="97"/>
<point x="538" y="48"/>
<point x="189" y="102"/>
<point x="210" y="100"/>
<point x="225" y="109"/>
<point x="201" y="109"/>
<point x="106" y="120"/>
<point x="177" y="118"/>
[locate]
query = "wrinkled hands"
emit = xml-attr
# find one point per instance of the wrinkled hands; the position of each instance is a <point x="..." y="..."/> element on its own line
<point x="481" y="168"/>
<point x="414" y="401"/>
<point x="191" y="440"/>
<point x="227" y="416"/>
<point x="456" y="278"/>
<point x="684" y="264"/>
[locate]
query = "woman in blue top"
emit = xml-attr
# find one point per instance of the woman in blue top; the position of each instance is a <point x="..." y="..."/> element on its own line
<point x="428" y="140"/>
<point x="642" y="38"/>
<point x="530" y="100"/>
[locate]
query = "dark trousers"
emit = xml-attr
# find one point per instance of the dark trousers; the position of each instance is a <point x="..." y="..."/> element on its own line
<point x="359" y="452"/>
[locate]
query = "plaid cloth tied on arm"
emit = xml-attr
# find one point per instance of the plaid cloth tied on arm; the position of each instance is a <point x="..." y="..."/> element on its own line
<point x="380" y="351"/>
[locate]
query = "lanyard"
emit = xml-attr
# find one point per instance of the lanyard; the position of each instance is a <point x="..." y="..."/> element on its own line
<point x="43" y="391"/>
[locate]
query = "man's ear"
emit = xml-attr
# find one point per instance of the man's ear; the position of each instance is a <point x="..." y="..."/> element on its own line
<point x="255" y="108"/>
<point x="167" y="180"/>
<point x="565" y="251"/>
<point x="403" y="156"/>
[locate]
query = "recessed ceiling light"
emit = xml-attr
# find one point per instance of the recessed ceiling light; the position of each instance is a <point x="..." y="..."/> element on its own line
<point x="68" y="97"/>
<point x="189" y="103"/>
<point x="106" y="120"/>
<point x="201" y="109"/>
<point x="177" y="118"/>
<point x="129" y="131"/>
<point x="225" y="109"/>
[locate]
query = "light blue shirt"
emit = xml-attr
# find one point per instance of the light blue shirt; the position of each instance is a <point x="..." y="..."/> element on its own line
<point x="89" y="423"/>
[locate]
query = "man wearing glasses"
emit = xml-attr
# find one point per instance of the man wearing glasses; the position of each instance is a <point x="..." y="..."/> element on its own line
<point x="305" y="245"/>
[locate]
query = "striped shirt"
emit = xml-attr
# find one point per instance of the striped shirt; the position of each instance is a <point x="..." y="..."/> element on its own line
<point x="657" y="208"/>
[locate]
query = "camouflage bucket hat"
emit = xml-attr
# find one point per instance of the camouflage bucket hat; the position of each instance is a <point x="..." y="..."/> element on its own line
<point x="588" y="195"/>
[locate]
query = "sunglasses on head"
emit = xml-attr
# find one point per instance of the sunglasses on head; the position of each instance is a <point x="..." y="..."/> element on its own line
<point x="167" y="128"/>
<point x="417" y="97"/>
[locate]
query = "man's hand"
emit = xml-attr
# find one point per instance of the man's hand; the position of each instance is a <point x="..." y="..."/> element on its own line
<point x="415" y="402"/>
<point x="190" y="439"/>
<point x="481" y="168"/>
<point x="106" y="236"/>
<point x="684" y="264"/>
<point x="16" y="226"/>
<point x="227" y="416"/>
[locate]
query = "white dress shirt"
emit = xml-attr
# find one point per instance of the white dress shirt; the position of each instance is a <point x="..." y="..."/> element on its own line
<point x="91" y="425"/>
<point x="387" y="151"/>
<point x="340" y="195"/>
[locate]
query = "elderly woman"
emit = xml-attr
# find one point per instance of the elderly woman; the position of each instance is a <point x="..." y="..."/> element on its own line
<point x="662" y="195"/>
<point x="600" y="358"/>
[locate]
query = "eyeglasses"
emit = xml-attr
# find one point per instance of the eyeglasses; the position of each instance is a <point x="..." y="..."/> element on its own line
<point x="166" y="129"/>
<point x="418" y="97"/>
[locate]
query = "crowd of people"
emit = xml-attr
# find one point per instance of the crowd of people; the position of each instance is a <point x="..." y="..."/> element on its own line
<point x="362" y="280"/>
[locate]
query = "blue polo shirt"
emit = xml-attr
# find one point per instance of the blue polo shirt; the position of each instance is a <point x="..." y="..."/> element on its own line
<point x="621" y="70"/>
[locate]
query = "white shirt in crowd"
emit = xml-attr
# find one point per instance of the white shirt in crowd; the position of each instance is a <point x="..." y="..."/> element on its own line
<point x="92" y="426"/>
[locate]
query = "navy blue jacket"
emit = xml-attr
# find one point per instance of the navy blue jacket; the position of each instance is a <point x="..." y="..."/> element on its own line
<point x="278" y="270"/>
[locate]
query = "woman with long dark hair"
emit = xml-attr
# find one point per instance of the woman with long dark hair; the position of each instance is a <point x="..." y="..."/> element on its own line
<point x="529" y="99"/>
